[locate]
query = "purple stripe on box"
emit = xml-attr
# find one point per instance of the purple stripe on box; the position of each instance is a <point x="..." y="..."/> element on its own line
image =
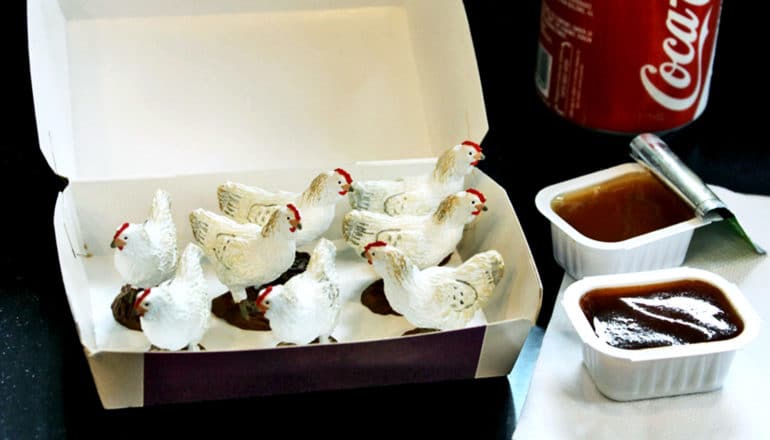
<point x="188" y="377"/>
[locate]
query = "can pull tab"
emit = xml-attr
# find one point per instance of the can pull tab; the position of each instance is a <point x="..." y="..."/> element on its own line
<point x="650" y="151"/>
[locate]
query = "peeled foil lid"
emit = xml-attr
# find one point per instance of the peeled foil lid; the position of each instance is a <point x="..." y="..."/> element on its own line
<point x="653" y="153"/>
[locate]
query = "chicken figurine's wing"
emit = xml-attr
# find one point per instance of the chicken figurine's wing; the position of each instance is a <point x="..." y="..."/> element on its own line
<point x="460" y="300"/>
<point x="463" y="290"/>
<point x="371" y="195"/>
<point x="483" y="272"/>
<point x="250" y="204"/>
<point x="360" y="228"/>
<point x="230" y="250"/>
<point x="209" y="230"/>
<point x="419" y="201"/>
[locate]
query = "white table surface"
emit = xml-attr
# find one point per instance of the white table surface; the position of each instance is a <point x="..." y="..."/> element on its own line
<point x="563" y="402"/>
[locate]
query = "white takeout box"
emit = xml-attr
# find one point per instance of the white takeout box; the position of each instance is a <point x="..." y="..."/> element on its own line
<point x="625" y="374"/>
<point x="132" y="96"/>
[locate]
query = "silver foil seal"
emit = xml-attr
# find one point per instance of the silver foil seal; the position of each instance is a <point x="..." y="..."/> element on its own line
<point x="650" y="150"/>
<point x="654" y="154"/>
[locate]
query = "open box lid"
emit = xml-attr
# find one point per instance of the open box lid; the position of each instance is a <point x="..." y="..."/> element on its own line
<point x="166" y="87"/>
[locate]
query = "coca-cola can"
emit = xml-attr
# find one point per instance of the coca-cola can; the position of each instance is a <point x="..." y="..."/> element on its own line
<point x="627" y="66"/>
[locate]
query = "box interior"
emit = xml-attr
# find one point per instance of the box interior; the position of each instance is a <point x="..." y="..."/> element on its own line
<point x="87" y="217"/>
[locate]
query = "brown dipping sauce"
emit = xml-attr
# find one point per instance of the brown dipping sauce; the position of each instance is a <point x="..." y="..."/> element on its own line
<point x="655" y="315"/>
<point x="623" y="207"/>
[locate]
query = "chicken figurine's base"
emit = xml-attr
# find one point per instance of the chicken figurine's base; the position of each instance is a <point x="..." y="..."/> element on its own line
<point x="314" y="341"/>
<point x="373" y="298"/>
<point x="156" y="348"/>
<point x="123" y="308"/>
<point x="224" y="308"/>
<point x="419" y="331"/>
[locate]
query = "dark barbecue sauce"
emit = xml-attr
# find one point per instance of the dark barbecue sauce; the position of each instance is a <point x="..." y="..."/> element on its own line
<point x="655" y="315"/>
<point x="623" y="207"/>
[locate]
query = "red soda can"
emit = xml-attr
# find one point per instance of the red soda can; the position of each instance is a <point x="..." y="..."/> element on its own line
<point x="627" y="66"/>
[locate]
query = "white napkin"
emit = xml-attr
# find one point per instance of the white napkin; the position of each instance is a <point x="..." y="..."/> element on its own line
<point x="563" y="402"/>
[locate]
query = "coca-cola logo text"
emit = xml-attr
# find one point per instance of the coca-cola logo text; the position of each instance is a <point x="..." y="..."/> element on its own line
<point x="685" y="45"/>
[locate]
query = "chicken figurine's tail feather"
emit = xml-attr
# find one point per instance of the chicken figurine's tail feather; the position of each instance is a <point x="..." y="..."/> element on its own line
<point x="162" y="226"/>
<point x="236" y="199"/>
<point x="355" y="229"/>
<point x="160" y="212"/>
<point x="201" y="224"/>
<point x="371" y="195"/>
<point x="484" y="270"/>
<point x="230" y="196"/>
<point x="189" y="264"/>
<point x="321" y="265"/>
<point x="359" y="197"/>
<point x="207" y="226"/>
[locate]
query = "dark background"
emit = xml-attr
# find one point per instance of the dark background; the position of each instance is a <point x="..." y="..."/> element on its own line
<point x="46" y="390"/>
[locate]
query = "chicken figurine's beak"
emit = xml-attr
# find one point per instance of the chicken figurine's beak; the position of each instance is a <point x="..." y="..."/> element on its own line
<point x="261" y="302"/>
<point x="479" y="156"/>
<point x="139" y="309"/>
<point x="483" y="207"/>
<point x="345" y="189"/>
<point x="295" y="224"/>
<point x="366" y="255"/>
<point x="117" y="243"/>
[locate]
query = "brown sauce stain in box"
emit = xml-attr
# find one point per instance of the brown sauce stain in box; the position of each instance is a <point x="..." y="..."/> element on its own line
<point x="656" y="315"/>
<point x="623" y="207"/>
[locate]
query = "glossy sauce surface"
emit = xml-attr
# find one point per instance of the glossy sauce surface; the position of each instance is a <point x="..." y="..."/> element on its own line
<point x="623" y="207"/>
<point x="662" y="314"/>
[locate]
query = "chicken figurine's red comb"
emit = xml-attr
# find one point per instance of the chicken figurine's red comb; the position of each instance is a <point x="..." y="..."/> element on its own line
<point x="120" y="230"/>
<point x="295" y="210"/>
<point x="374" y="244"/>
<point x="473" y="144"/>
<point x="344" y="174"/>
<point x="141" y="297"/>
<point x="477" y="193"/>
<point x="263" y="295"/>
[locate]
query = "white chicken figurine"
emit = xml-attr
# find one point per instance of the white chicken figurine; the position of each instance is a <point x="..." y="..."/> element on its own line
<point x="418" y="195"/>
<point x="425" y="239"/>
<point x="443" y="298"/>
<point x="247" y="255"/>
<point x="247" y="204"/>
<point x="308" y="305"/>
<point x="146" y="253"/>
<point x="175" y="314"/>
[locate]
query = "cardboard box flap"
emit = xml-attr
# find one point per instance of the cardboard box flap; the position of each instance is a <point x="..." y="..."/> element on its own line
<point x="46" y="28"/>
<point x="136" y="89"/>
